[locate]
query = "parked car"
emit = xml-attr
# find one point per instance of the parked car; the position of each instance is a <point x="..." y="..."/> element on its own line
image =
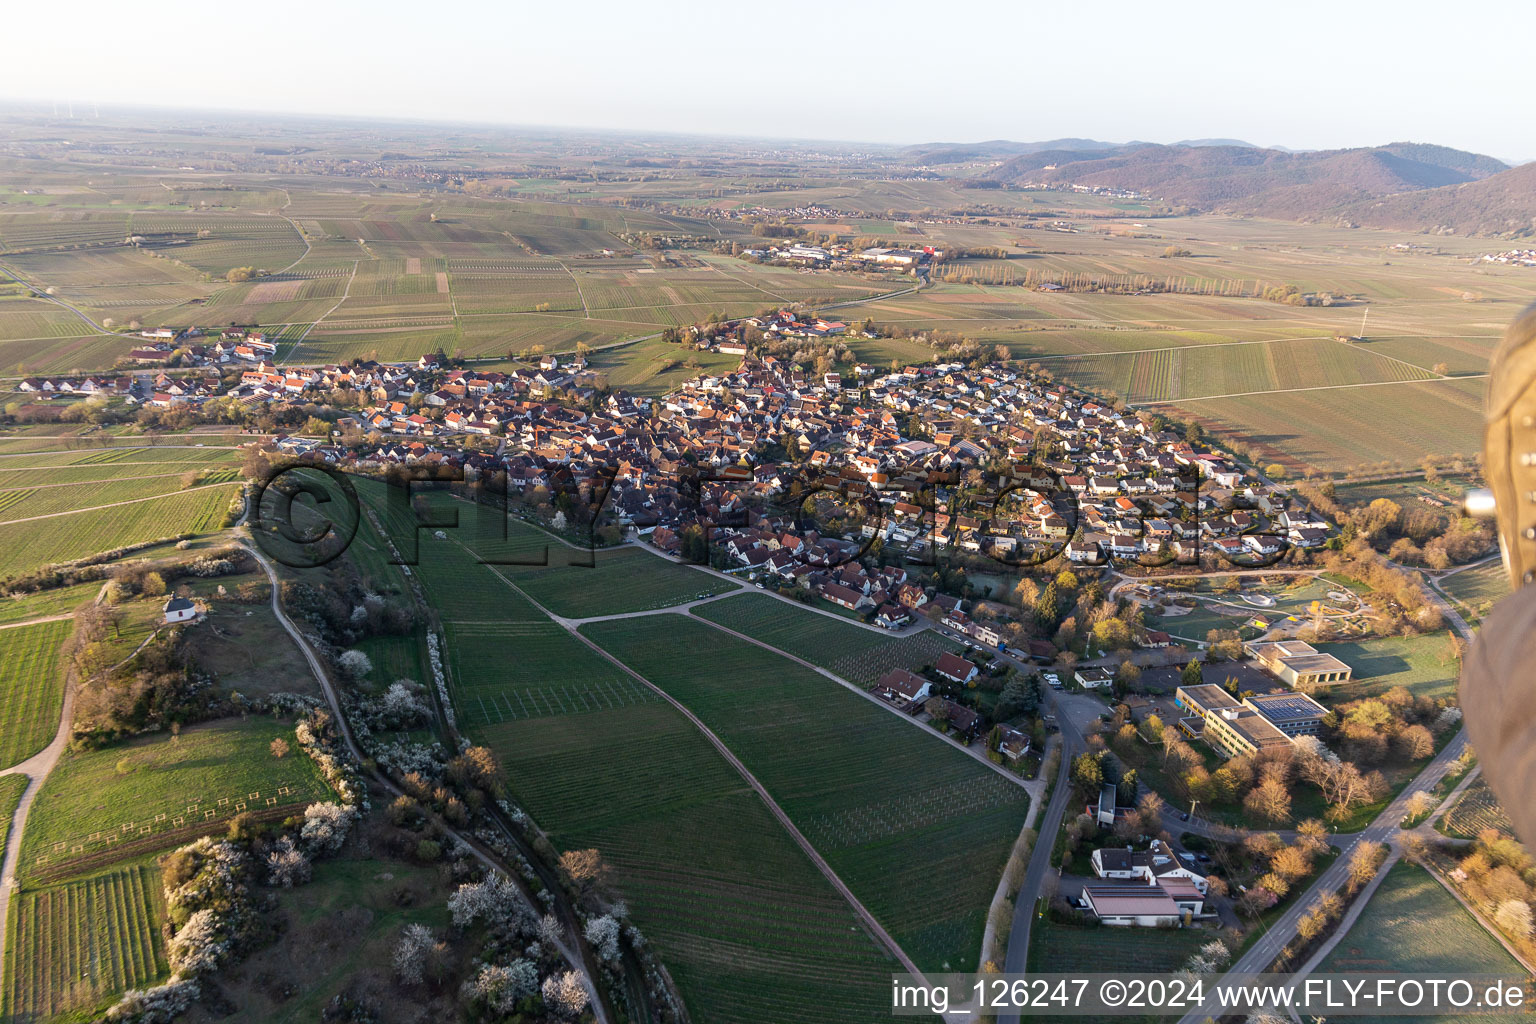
<point x="760" y="587"/>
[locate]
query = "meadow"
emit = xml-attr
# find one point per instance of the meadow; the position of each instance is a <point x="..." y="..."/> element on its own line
<point x="1422" y="663"/>
<point x="31" y="688"/>
<point x="1413" y="926"/>
<point x="160" y="790"/>
<point x="829" y="756"/>
<point x="75" y="945"/>
<point x="858" y="655"/>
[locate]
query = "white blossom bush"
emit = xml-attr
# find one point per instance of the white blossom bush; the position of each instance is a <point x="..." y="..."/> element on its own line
<point x="565" y="994"/>
<point x="200" y="945"/>
<point x="326" y="826"/>
<point x="157" y="1005"/>
<point x="602" y="933"/>
<point x="439" y="679"/>
<point x="286" y="864"/>
<point x="551" y="931"/>
<point x="501" y="987"/>
<point x="496" y="901"/>
<point x="410" y="957"/>
<point x="401" y="705"/>
<point x="355" y="663"/>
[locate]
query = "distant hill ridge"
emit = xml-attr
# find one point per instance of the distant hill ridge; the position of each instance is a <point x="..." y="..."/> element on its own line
<point x="1407" y="185"/>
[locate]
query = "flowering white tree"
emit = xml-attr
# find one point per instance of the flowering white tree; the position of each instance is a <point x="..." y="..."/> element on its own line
<point x="1514" y="916"/>
<point x="355" y="664"/>
<point x="565" y="994"/>
<point x="502" y="987"/>
<point x="326" y="826"/>
<point x="199" y="946"/>
<point x="559" y="520"/>
<point x="495" y="901"/>
<point x="400" y="703"/>
<point x="286" y="864"/>
<point x="603" y="934"/>
<point x="550" y="930"/>
<point x="411" y="953"/>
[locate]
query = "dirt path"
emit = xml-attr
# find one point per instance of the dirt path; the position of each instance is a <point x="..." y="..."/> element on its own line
<point x="572" y="954"/>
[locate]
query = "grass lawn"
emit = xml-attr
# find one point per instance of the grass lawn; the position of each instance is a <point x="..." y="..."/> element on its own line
<point x="59" y="601"/>
<point x="1063" y="947"/>
<point x="828" y="757"/>
<point x="623" y="580"/>
<point x="31" y="688"/>
<point x="162" y="787"/>
<point x="858" y="655"/>
<point x="1413" y="926"/>
<point x="74" y="946"/>
<point x="1422" y="663"/>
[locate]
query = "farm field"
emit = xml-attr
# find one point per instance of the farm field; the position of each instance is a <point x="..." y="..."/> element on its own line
<point x="1423" y="663"/>
<point x="1203" y="371"/>
<point x="1342" y="430"/>
<point x="27" y="545"/>
<point x="160" y="790"/>
<point x="624" y="580"/>
<point x="11" y="788"/>
<point x="827" y="755"/>
<point x="748" y="928"/>
<point x="31" y="688"/>
<point x="1477" y="588"/>
<point x="858" y="655"/>
<point x="24" y="502"/>
<point x="75" y="945"/>
<point x="1476" y="809"/>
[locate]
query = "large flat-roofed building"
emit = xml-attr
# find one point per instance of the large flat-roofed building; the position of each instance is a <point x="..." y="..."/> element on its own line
<point x="1294" y="714"/>
<point x="1299" y="664"/>
<point x="1229" y="727"/>
<point x="1132" y="903"/>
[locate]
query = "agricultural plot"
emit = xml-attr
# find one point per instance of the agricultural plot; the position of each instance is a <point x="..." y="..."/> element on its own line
<point x="1477" y="589"/>
<point x="21" y="232"/>
<point x="76" y="352"/>
<point x="1351" y="429"/>
<point x="59" y="538"/>
<point x="1211" y="370"/>
<point x="22" y="502"/>
<point x="748" y="928"/>
<point x="31" y="688"/>
<point x="624" y="580"/>
<point x="11" y="789"/>
<point x="858" y="655"/>
<point x="827" y="755"/>
<point x="653" y="367"/>
<point x="1423" y="663"/>
<point x="74" y="946"/>
<point x="1413" y="926"/>
<point x="1475" y="810"/>
<point x="215" y="244"/>
<point x="160" y="790"/>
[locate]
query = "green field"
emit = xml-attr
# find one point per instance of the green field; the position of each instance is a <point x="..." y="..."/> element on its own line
<point x="828" y="757"/>
<point x="1422" y="663"/>
<point x="31" y="688"/>
<point x="1476" y="809"/>
<point x="74" y="945"/>
<point x="159" y="790"/>
<point x="1413" y="926"/>
<point x="858" y="655"/>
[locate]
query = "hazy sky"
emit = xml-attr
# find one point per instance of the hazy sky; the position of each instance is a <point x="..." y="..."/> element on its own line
<point x="1300" y="74"/>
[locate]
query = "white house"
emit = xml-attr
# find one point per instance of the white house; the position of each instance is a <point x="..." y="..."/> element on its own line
<point x="179" y="609"/>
